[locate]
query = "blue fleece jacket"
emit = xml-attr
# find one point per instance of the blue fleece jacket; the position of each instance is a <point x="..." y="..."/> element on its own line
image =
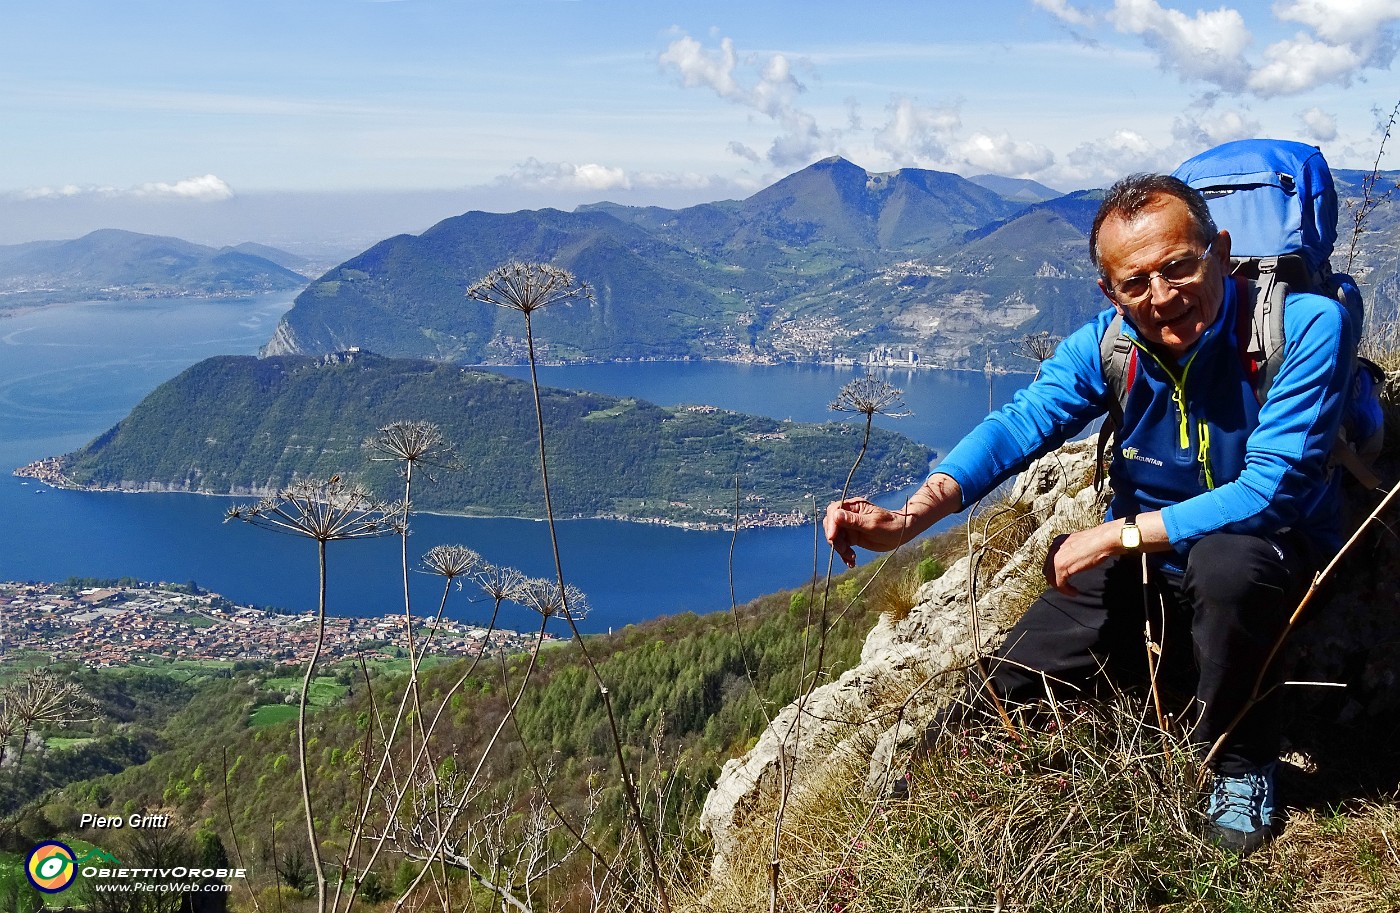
<point x="1195" y="443"/>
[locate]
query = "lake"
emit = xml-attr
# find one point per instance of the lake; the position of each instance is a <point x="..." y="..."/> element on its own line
<point x="69" y="372"/>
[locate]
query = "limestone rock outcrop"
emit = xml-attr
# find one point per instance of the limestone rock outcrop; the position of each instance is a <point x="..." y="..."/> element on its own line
<point x="875" y="712"/>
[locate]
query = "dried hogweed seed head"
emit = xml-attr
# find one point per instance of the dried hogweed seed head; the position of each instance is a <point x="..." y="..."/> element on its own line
<point x="452" y="561"/>
<point x="324" y="510"/>
<point x="499" y="582"/>
<point x="545" y="597"/>
<point x="868" y="396"/>
<point x="411" y="442"/>
<point x="1039" y="346"/>
<point x="527" y="287"/>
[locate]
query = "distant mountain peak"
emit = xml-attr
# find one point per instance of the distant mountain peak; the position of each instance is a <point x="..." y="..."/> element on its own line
<point x="114" y="263"/>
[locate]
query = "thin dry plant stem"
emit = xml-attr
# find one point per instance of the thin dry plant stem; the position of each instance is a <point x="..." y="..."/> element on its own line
<point x="419" y="760"/>
<point x="866" y="396"/>
<point x="233" y="835"/>
<point x="527" y="288"/>
<point x="410" y="692"/>
<point x="629" y="787"/>
<point x="734" y="615"/>
<point x="445" y="827"/>
<point x="554" y="809"/>
<point x="1317" y="581"/>
<point x="1369" y="199"/>
<point x="1153" y="651"/>
<point x="975" y="624"/>
<point x="301" y="729"/>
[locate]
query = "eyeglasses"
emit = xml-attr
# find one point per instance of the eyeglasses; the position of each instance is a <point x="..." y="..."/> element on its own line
<point x="1137" y="289"/>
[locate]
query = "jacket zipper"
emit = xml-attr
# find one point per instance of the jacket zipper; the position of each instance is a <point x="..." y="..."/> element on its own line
<point x="1183" y="423"/>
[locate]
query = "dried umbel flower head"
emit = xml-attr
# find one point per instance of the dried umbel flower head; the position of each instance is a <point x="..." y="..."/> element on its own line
<point x="500" y="583"/>
<point x="411" y="442"/>
<point x="452" y="561"/>
<point x="545" y="597"/>
<point x="324" y="510"/>
<point x="527" y="287"/>
<point x="1039" y="346"/>
<point x="868" y="396"/>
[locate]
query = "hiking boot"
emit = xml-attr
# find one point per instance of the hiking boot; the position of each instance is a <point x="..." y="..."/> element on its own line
<point x="1240" y="813"/>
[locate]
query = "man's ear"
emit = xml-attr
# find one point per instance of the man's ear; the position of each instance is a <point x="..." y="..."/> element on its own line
<point x="1103" y="287"/>
<point x="1222" y="250"/>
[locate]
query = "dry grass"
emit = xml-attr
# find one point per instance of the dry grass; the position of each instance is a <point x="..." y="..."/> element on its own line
<point x="895" y="593"/>
<point x="1347" y="861"/>
<point x="1088" y="813"/>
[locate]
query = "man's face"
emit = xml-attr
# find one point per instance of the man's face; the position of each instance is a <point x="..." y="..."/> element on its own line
<point x="1172" y="317"/>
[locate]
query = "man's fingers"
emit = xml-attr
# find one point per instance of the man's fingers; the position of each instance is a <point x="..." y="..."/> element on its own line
<point x="839" y="516"/>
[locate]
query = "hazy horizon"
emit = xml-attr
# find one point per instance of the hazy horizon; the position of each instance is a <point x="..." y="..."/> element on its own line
<point x="339" y="122"/>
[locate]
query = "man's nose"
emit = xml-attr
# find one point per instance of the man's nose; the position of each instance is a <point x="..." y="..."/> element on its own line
<point x="1161" y="289"/>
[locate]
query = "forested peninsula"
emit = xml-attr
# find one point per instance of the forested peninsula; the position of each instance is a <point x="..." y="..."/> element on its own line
<point x="246" y="425"/>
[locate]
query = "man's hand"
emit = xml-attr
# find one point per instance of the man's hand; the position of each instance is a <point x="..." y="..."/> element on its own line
<point x="1078" y="552"/>
<point x="1090" y="547"/>
<point x="857" y="522"/>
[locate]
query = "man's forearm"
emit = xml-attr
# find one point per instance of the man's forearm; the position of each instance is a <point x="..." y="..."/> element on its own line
<point x="940" y="496"/>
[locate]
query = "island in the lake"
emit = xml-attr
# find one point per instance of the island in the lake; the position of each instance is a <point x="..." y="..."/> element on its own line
<point x="248" y="426"/>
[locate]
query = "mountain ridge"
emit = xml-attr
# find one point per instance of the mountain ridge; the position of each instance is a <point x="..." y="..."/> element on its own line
<point x="744" y="279"/>
<point x="112" y="263"/>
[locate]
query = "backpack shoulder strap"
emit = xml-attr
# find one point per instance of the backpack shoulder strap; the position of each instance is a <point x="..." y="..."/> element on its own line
<point x="1264" y="299"/>
<point x="1118" y="357"/>
<point x="1118" y="361"/>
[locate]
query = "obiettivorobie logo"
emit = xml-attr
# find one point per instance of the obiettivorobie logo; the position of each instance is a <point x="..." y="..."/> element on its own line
<point x="1132" y="453"/>
<point x="52" y="866"/>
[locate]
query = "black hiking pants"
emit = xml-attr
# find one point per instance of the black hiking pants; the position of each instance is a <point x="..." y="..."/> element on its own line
<point x="1228" y="607"/>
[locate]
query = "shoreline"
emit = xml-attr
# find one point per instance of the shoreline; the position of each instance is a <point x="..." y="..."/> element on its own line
<point x="735" y="360"/>
<point x="49" y="471"/>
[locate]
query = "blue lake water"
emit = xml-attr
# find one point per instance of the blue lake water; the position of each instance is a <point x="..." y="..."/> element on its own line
<point x="69" y="372"/>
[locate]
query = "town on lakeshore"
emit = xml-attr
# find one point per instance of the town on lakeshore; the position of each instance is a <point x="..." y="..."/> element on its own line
<point x="122" y="624"/>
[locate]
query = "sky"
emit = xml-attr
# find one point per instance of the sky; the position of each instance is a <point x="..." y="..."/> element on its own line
<point x="339" y="122"/>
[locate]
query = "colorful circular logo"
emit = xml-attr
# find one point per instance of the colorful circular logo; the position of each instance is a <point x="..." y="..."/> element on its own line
<point x="51" y="867"/>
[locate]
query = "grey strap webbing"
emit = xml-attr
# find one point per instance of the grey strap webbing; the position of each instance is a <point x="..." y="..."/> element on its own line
<point x="1115" y="353"/>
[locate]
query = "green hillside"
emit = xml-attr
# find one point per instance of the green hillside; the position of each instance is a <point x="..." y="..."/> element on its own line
<point x="830" y="262"/>
<point x="242" y="424"/>
<point x="759" y="277"/>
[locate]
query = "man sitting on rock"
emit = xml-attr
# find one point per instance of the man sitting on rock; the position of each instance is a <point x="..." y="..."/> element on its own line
<point x="1230" y="501"/>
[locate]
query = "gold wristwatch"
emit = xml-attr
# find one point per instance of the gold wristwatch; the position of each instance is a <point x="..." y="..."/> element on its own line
<point x="1130" y="536"/>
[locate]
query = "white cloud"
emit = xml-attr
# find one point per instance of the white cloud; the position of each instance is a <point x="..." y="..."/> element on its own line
<point x="1061" y="10"/>
<point x="1209" y="46"/>
<point x="67" y="191"/>
<point x="207" y="188"/>
<point x="1320" y="126"/>
<point x="537" y="175"/>
<point x="764" y="84"/>
<point x="1302" y="63"/>
<point x="533" y="174"/>
<point x="1345" y="38"/>
<point x="744" y="152"/>
<point x="915" y="133"/>
<point x="1354" y="22"/>
<point x="1194" y="133"/>
<point x="1100" y="162"/>
<point x="1000" y="154"/>
<point x="698" y="67"/>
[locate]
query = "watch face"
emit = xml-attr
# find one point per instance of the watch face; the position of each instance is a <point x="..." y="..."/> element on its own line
<point x="1131" y="537"/>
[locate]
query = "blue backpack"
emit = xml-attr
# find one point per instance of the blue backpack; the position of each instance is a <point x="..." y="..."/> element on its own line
<point x="1278" y="202"/>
